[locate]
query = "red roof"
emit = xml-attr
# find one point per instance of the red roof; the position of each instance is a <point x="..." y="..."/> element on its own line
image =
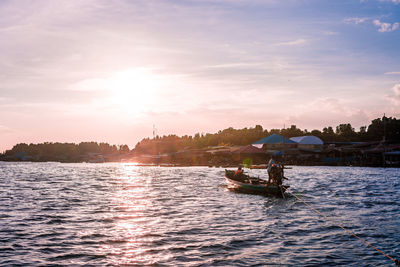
<point x="249" y="149"/>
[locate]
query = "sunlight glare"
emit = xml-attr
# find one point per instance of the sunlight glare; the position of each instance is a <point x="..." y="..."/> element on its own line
<point x="134" y="90"/>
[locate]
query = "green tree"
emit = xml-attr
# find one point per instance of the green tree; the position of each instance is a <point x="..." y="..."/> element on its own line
<point x="345" y="132"/>
<point x="123" y="149"/>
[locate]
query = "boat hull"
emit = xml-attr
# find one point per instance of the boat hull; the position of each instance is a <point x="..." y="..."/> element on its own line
<point x="259" y="187"/>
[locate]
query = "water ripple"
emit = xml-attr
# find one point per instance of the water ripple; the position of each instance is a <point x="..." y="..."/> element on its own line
<point x="120" y="214"/>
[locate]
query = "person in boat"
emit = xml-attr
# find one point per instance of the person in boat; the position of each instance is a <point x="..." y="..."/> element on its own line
<point x="270" y="164"/>
<point x="239" y="171"/>
<point x="277" y="174"/>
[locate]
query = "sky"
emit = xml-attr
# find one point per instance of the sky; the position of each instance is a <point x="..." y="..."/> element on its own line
<point x="110" y="70"/>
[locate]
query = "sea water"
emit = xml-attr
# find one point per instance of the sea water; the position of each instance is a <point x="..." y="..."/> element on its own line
<point x="123" y="214"/>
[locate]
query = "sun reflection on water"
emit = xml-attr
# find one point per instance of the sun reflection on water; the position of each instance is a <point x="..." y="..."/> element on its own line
<point x="134" y="226"/>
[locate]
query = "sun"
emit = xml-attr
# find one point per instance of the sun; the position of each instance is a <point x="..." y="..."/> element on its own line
<point x="133" y="90"/>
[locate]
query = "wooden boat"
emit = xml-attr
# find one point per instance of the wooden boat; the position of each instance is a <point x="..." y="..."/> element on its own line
<point x="258" y="166"/>
<point x="246" y="184"/>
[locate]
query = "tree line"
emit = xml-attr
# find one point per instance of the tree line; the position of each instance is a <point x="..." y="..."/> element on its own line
<point x="380" y="127"/>
<point x="68" y="152"/>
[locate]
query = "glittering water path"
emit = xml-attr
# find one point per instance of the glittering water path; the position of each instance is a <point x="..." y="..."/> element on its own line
<point x="114" y="214"/>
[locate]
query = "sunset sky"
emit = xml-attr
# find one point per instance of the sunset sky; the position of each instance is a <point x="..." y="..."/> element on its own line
<point x="106" y="71"/>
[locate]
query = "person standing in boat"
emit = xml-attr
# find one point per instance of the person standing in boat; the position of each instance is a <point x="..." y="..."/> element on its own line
<point x="270" y="164"/>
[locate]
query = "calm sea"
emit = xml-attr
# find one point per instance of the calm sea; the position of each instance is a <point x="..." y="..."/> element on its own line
<point x="121" y="214"/>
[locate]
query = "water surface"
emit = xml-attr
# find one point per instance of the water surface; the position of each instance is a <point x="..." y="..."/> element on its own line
<point x="116" y="214"/>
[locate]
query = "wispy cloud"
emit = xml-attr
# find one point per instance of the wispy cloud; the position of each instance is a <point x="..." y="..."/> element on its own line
<point x="383" y="26"/>
<point x="330" y="33"/>
<point x="5" y="129"/>
<point x="314" y="111"/>
<point x="395" y="97"/>
<point x="355" y="20"/>
<point x="291" y="43"/>
<point x="392" y="73"/>
<point x="396" y="90"/>
<point x="386" y="27"/>
<point x="236" y="65"/>
<point x="393" y="1"/>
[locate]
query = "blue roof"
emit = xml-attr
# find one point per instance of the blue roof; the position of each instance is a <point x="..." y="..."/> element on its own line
<point x="274" y="139"/>
<point x="307" y="140"/>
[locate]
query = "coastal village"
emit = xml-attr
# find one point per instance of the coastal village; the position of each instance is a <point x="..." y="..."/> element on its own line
<point x="377" y="145"/>
<point x="302" y="150"/>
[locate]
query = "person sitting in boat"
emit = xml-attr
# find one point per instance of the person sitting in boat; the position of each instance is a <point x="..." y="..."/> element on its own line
<point x="239" y="171"/>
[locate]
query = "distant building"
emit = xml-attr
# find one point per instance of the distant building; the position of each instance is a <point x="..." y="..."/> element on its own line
<point x="275" y="142"/>
<point x="308" y="142"/>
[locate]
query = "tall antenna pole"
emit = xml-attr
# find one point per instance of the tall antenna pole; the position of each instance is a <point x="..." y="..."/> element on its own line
<point x="283" y="142"/>
<point x="384" y="139"/>
<point x="384" y="127"/>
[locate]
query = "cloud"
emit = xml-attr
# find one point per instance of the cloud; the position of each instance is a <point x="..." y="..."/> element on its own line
<point x="6" y="130"/>
<point x="355" y="20"/>
<point x="295" y="42"/>
<point x="321" y="112"/>
<point x="236" y="65"/>
<point x="330" y="33"/>
<point x="383" y="26"/>
<point x="392" y="73"/>
<point x="386" y="27"/>
<point x="395" y="97"/>
<point x="393" y="1"/>
<point x="396" y="89"/>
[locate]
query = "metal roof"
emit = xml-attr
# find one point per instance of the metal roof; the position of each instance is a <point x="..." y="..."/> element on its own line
<point x="274" y="139"/>
<point x="307" y="140"/>
<point x="249" y="149"/>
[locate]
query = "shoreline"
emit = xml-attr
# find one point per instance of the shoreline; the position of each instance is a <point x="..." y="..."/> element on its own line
<point x="233" y="165"/>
